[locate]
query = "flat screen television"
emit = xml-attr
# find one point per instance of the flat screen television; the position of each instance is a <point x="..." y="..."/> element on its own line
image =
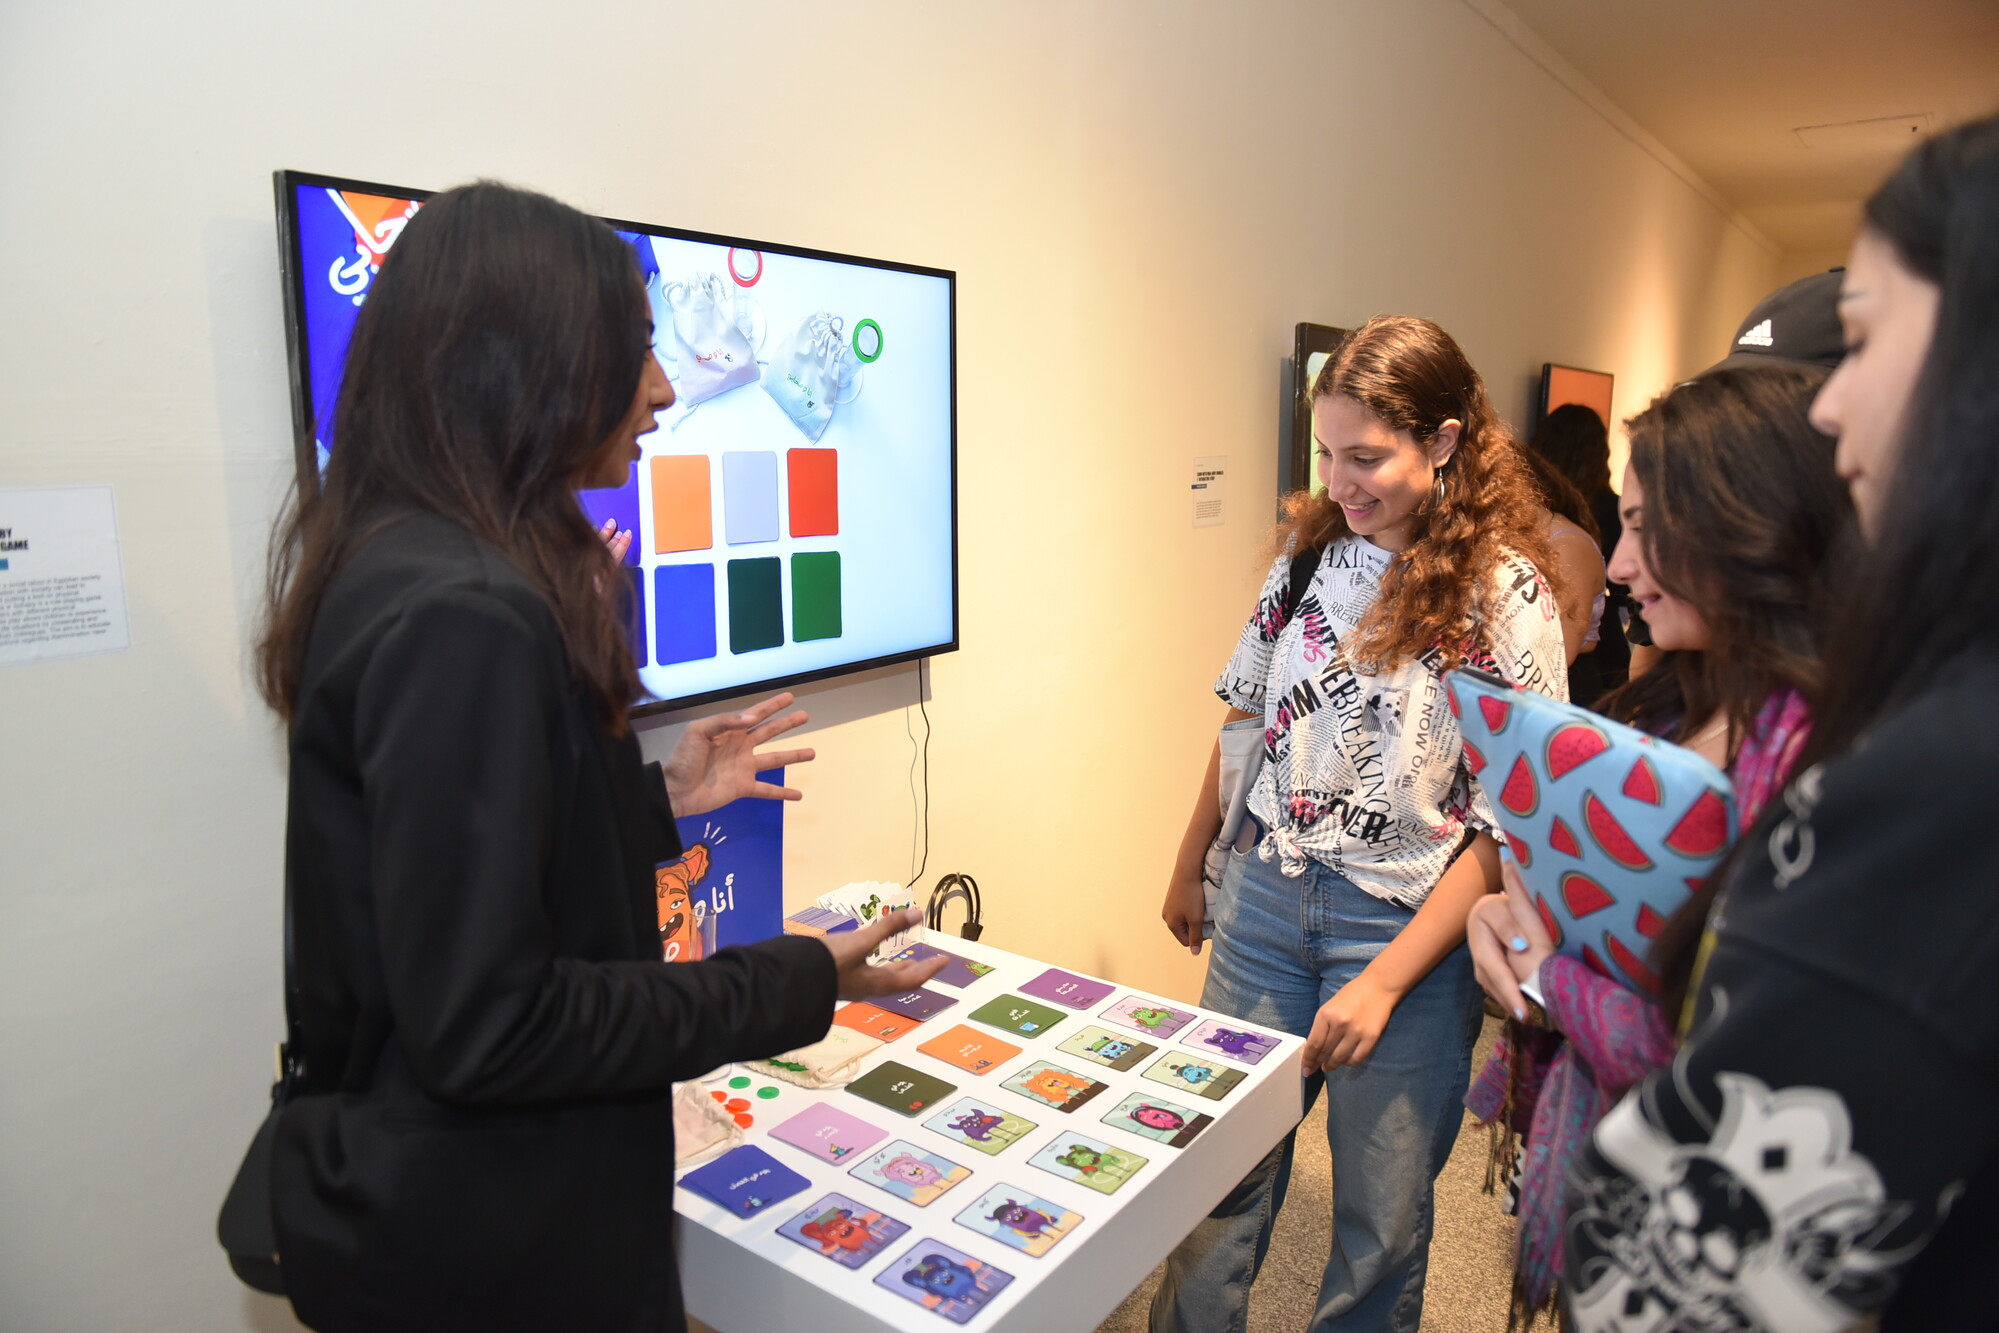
<point x="795" y="515"/>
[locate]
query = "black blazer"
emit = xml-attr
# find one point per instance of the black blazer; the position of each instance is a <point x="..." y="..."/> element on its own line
<point x="486" y="1136"/>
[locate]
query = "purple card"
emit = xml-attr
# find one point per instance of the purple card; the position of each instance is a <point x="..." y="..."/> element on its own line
<point x="1068" y="989"/>
<point x="918" y="1004"/>
<point x="745" y="1180"/>
<point x="829" y="1134"/>
<point x="959" y="972"/>
<point x="1232" y="1039"/>
<point x="1151" y="1017"/>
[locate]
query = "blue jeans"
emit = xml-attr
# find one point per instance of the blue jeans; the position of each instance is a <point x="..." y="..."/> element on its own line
<point x="1282" y="947"/>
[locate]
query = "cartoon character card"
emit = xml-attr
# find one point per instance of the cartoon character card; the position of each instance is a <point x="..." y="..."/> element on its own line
<point x="1232" y="1039"/>
<point x="844" y="1231"/>
<point x="943" y="1280"/>
<point x="1068" y="989"/>
<point x="899" y="1088"/>
<point x="959" y="972"/>
<point x="1020" y="1219"/>
<point x="969" y="1049"/>
<point x="979" y="1125"/>
<point x="1112" y="1050"/>
<point x="1157" y="1118"/>
<point x="1052" y="1085"/>
<point x="1149" y="1017"/>
<point x="828" y="1133"/>
<point x="745" y="1180"/>
<point x="1088" y="1163"/>
<point x="1010" y="1013"/>
<point x="908" y="1172"/>
<point x="1196" y="1074"/>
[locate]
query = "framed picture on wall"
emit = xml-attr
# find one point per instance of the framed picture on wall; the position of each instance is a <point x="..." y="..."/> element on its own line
<point x="1562" y="385"/>
<point x="1314" y="345"/>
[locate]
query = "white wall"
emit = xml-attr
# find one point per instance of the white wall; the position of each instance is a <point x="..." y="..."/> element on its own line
<point x="1140" y="199"/>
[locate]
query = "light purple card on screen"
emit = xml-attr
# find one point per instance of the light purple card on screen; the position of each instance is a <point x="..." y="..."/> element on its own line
<point x="1068" y="989"/>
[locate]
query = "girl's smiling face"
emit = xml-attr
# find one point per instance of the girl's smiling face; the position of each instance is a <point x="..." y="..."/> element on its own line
<point x="1675" y="624"/>
<point x="1377" y="476"/>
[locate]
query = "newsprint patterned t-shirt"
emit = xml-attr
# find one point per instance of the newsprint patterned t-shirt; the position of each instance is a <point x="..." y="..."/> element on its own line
<point x="1366" y="773"/>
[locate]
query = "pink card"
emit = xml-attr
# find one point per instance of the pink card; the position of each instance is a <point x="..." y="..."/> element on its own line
<point x="1068" y="989"/>
<point x="828" y="1134"/>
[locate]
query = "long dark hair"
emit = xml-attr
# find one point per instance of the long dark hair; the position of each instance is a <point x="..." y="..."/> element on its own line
<point x="1575" y="441"/>
<point x="1925" y="591"/>
<point x="1742" y="509"/>
<point x="502" y="341"/>
<point x="1414" y="377"/>
<point x="1560" y="495"/>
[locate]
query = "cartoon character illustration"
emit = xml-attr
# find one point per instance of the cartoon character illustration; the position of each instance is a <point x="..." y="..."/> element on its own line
<point x="679" y="929"/>
<point x="1158" y="1117"/>
<point x="978" y="1125"/>
<point x="1057" y="1086"/>
<point x="1195" y="1074"/>
<point x="936" y="1275"/>
<point x="1150" y="1018"/>
<point x="1019" y="1217"/>
<point x="1086" y="1160"/>
<point x="911" y="1170"/>
<point x="1231" y="1043"/>
<point x="1110" y="1048"/>
<point x="838" y="1230"/>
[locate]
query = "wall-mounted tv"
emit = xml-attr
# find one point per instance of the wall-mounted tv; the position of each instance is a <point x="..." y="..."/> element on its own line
<point x="795" y="515"/>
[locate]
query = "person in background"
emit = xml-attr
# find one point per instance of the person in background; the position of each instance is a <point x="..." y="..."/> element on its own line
<point x="1572" y="443"/>
<point x="1823" y="1148"/>
<point x="482" y="1135"/>
<point x="1572" y="537"/>
<point x="1341" y="915"/>
<point x="1731" y="510"/>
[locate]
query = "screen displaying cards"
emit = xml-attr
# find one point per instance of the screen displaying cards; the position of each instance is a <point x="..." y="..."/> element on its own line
<point x="794" y="516"/>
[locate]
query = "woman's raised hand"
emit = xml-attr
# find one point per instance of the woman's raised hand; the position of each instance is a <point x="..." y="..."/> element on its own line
<point x="717" y="761"/>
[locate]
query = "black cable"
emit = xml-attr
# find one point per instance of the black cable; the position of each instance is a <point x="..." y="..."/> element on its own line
<point x="921" y="663"/>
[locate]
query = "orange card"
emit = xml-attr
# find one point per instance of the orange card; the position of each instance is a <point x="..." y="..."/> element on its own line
<point x="864" y="1017"/>
<point x="812" y="477"/>
<point x="682" y="518"/>
<point x="969" y="1049"/>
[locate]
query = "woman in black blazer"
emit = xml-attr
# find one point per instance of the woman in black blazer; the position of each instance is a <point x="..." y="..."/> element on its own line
<point x="484" y="1138"/>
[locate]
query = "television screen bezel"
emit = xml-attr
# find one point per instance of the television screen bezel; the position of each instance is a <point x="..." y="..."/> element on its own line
<point x="306" y="459"/>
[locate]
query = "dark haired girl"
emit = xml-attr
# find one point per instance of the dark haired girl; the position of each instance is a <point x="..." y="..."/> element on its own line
<point x="483" y="1132"/>
<point x="1731" y="508"/>
<point x="1823" y="1149"/>
<point x="1342" y="920"/>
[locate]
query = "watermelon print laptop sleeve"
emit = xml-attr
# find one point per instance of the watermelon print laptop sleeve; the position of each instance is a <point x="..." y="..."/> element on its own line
<point x="1612" y="828"/>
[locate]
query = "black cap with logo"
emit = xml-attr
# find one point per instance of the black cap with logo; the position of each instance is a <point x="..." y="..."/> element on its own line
<point x="1797" y="324"/>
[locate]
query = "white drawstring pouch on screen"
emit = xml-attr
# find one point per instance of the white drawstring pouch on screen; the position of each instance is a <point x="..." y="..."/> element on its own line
<point x="713" y="352"/>
<point x="812" y="372"/>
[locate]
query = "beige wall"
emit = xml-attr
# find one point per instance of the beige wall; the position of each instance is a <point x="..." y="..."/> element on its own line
<point x="1140" y="199"/>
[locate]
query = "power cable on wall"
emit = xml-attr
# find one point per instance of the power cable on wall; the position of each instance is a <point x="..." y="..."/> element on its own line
<point x="919" y="757"/>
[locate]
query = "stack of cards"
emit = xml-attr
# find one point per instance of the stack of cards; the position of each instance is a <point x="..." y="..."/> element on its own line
<point x="868" y="899"/>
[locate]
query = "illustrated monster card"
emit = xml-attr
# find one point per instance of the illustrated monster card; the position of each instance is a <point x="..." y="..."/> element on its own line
<point x="1196" y="1074"/>
<point x="1149" y="1017"/>
<point x="1086" y="1162"/>
<point x="1052" y="1085"/>
<point x="980" y="1125"/>
<point x="1015" y="1217"/>
<point x="943" y="1280"/>
<point x="908" y="1172"/>
<point x="844" y="1231"/>
<point x="1112" y="1050"/>
<point x="1158" y="1119"/>
<point x="1231" y="1039"/>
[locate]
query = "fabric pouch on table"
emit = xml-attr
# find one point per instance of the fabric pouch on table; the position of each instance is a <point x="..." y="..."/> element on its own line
<point x="812" y="372"/>
<point x="702" y="1126"/>
<point x="831" y="1062"/>
<point x="712" y="351"/>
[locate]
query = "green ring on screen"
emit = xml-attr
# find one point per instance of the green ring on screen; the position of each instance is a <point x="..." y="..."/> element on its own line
<point x="879" y="340"/>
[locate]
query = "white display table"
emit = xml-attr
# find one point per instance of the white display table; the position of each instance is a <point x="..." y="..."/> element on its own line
<point x="740" y="1275"/>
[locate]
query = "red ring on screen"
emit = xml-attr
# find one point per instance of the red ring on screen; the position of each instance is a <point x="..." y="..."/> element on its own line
<point x="735" y="273"/>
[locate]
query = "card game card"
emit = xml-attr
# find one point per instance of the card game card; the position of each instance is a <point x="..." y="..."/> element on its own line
<point x="745" y="1180"/>
<point x="844" y="1231"/>
<point x="1196" y="1074"/>
<point x="1010" y="1013"/>
<point x="1109" y="1049"/>
<point x="1086" y="1162"/>
<point x="978" y="1124"/>
<point x="969" y="1049"/>
<point x="879" y="1023"/>
<point x="918" y="1004"/>
<point x="1066" y="988"/>
<point x="958" y="972"/>
<point x="1147" y="1016"/>
<point x="909" y="1172"/>
<point x="943" y="1280"/>
<point x="1232" y="1039"/>
<point x="1158" y="1119"/>
<point x="901" y="1089"/>
<point x="828" y="1133"/>
<point x="1020" y="1219"/>
<point x="1052" y="1085"/>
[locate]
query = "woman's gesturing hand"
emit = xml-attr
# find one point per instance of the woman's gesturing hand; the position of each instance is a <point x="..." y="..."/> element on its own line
<point x="716" y="760"/>
<point x="1347" y="1026"/>
<point x="858" y="979"/>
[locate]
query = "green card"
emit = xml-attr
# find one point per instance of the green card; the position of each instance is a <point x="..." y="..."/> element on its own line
<point x="756" y="618"/>
<point x="1010" y="1013"/>
<point x="815" y="595"/>
<point x="901" y="1089"/>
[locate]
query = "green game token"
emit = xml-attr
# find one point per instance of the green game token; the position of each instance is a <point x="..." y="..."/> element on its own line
<point x="766" y="1093"/>
<point x="739" y="1082"/>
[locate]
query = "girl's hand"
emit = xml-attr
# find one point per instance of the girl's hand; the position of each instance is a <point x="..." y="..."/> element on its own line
<point x="1186" y="909"/>
<point x="1508" y="940"/>
<point x="1348" y="1026"/>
